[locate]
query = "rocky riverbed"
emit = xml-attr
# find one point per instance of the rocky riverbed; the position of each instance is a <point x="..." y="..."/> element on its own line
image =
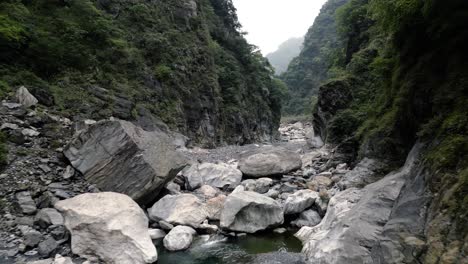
<point x="108" y="191"/>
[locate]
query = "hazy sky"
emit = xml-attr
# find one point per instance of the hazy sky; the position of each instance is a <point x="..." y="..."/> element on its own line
<point x="271" y="22"/>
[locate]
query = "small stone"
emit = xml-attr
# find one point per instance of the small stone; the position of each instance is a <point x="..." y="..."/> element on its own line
<point x="156" y="233"/>
<point x="47" y="247"/>
<point x="165" y="225"/>
<point x="30" y="132"/>
<point x="11" y="105"/>
<point x="68" y="173"/>
<point x="323" y="181"/>
<point x="173" y="188"/>
<point x="179" y="238"/>
<point x="25" y="203"/>
<point x="280" y="230"/>
<point x="288" y="188"/>
<point x="45" y="168"/>
<point x="31" y="253"/>
<point x="24" y="221"/>
<point x="62" y="260"/>
<point x="32" y="238"/>
<point x="9" y="126"/>
<point x="48" y="216"/>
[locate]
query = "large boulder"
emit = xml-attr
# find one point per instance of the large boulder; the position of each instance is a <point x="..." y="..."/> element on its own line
<point x="352" y="231"/>
<point x="300" y="201"/>
<point x="110" y="226"/>
<point x="250" y="212"/>
<point x="24" y="97"/>
<point x="218" y="175"/>
<point x="120" y="157"/>
<point x="179" y="238"/>
<point x="182" y="209"/>
<point x="269" y="161"/>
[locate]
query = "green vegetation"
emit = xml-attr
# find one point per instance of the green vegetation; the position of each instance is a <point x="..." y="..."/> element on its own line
<point x="307" y="71"/>
<point x="404" y="64"/>
<point x="180" y="61"/>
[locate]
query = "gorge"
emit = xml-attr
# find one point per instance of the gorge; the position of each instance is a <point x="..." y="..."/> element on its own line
<point x="149" y="132"/>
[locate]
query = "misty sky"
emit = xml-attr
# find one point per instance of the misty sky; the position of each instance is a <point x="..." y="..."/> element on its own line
<point x="271" y="22"/>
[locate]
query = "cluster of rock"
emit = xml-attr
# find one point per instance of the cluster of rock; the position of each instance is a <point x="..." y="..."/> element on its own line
<point x="295" y="132"/>
<point x="54" y="209"/>
<point x="36" y="178"/>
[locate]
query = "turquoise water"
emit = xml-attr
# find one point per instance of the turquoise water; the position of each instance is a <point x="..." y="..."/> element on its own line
<point x="236" y="250"/>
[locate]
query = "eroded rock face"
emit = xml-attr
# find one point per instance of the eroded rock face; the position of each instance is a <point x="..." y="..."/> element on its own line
<point x="355" y="221"/>
<point x="216" y="175"/>
<point x="269" y="161"/>
<point x="182" y="209"/>
<point x="250" y="212"/>
<point x="109" y="226"/>
<point x="179" y="238"/>
<point x="121" y="157"/>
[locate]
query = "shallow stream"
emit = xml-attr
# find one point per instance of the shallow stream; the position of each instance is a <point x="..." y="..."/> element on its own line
<point x="236" y="250"/>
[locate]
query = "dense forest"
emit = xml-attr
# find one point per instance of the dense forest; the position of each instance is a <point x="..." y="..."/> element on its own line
<point x="183" y="62"/>
<point x="307" y="71"/>
<point x="398" y="76"/>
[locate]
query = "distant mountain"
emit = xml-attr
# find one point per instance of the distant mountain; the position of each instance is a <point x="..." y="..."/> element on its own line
<point x="287" y="51"/>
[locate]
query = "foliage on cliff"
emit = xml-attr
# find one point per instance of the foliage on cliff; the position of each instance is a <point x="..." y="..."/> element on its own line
<point x="404" y="69"/>
<point x="184" y="62"/>
<point x="307" y="71"/>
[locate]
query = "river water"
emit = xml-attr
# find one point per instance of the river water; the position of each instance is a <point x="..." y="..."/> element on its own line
<point x="235" y="250"/>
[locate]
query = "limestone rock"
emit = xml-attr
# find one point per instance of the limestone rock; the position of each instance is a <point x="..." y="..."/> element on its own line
<point x="48" y="216"/>
<point x="179" y="238"/>
<point x="300" y="201"/>
<point x="218" y="175"/>
<point x="121" y="157"/>
<point x="110" y="226"/>
<point x="24" y="97"/>
<point x="250" y="212"/>
<point x="182" y="209"/>
<point x="269" y="161"/>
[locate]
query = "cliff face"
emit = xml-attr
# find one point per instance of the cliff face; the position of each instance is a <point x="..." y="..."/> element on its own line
<point x="307" y="71"/>
<point x="403" y="81"/>
<point x="181" y="62"/>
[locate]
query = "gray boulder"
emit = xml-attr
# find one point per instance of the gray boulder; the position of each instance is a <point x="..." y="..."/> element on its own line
<point x="179" y="238"/>
<point x="218" y="175"/>
<point x="120" y="157"/>
<point x="24" y="97"/>
<point x="48" y="216"/>
<point x="110" y="226"/>
<point x="299" y="201"/>
<point x="182" y="209"/>
<point x="24" y="203"/>
<point x="269" y="161"/>
<point x="250" y="212"/>
<point x="307" y="218"/>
